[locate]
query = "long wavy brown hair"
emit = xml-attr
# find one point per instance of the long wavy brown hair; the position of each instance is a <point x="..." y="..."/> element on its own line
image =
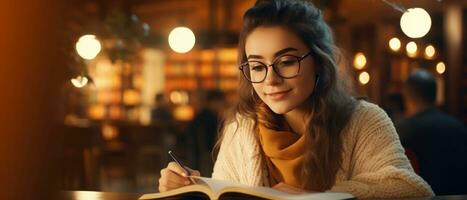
<point x="329" y="107"/>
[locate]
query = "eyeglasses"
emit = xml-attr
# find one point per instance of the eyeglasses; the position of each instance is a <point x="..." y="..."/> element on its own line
<point x="285" y="66"/>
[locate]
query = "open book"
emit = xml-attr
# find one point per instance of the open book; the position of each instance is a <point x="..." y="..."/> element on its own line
<point x="207" y="188"/>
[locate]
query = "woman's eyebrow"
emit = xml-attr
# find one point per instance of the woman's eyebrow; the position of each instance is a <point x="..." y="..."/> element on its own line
<point x="278" y="53"/>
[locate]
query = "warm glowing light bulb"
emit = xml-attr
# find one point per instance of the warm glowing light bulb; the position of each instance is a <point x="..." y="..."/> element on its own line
<point x="395" y="44"/>
<point x="440" y="67"/>
<point x="430" y="51"/>
<point x="415" y="22"/>
<point x="359" y="61"/>
<point x="109" y="132"/>
<point x="79" y="81"/>
<point x="176" y="97"/>
<point x="364" y="78"/>
<point x="181" y="39"/>
<point x="179" y="97"/>
<point x="88" y="47"/>
<point x="411" y="49"/>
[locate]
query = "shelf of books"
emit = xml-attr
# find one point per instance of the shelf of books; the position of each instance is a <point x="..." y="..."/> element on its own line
<point x="116" y="91"/>
<point x="203" y="70"/>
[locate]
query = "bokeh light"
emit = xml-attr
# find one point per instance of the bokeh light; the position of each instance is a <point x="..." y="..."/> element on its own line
<point x="181" y="39"/>
<point x="411" y="49"/>
<point x="395" y="44"/>
<point x="88" y="47"/>
<point x="364" y="78"/>
<point x="359" y="61"/>
<point x="79" y="81"/>
<point x="440" y="67"/>
<point x="430" y="51"/>
<point x="415" y="22"/>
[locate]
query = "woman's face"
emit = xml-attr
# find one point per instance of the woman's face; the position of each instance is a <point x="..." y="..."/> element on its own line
<point x="268" y="44"/>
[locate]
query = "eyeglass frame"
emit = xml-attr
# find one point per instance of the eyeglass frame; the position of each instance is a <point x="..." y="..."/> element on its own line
<point x="299" y="59"/>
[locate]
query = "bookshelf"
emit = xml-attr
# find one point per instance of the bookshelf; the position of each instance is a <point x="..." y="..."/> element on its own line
<point x="202" y="70"/>
<point x="116" y="92"/>
<point x="118" y="88"/>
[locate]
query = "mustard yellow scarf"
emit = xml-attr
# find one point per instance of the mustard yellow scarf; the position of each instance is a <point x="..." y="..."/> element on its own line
<point x="284" y="155"/>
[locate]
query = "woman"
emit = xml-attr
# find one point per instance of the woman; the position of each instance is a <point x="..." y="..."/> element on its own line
<point x="296" y="129"/>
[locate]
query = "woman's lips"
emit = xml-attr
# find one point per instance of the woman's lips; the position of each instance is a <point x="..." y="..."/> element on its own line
<point x="278" y="95"/>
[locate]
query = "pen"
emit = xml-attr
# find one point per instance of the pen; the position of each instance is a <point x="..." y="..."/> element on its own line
<point x="187" y="172"/>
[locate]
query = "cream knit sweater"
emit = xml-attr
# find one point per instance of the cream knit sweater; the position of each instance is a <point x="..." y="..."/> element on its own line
<point x="374" y="164"/>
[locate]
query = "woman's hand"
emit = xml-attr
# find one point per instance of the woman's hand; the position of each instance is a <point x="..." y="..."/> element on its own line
<point x="283" y="187"/>
<point x="173" y="177"/>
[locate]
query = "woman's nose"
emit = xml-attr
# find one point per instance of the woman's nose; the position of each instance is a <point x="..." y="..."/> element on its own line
<point x="272" y="78"/>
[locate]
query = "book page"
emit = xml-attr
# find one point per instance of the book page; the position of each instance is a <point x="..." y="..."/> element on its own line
<point x="219" y="187"/>
<point x="208" y="186"/>
<point x="216" y="185"/>
<point x="270" y="193"/>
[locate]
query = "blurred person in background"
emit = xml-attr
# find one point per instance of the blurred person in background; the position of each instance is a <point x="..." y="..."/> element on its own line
<point x="203" y="129"/>
<point x="161" y="112"/>
<point x="395" y="107"/>
<point x="435" y="142"/>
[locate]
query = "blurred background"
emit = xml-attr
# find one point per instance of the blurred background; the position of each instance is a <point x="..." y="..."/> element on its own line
<point x="141" y="77"/>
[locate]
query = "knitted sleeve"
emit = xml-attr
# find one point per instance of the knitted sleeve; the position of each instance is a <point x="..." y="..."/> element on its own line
<point x="224" y="167"/>
<point x="238" y="159"/>
<point x="380" y="168"/>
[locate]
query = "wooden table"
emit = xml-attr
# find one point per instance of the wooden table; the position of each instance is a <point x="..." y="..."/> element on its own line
<point x="86" y="195"/>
